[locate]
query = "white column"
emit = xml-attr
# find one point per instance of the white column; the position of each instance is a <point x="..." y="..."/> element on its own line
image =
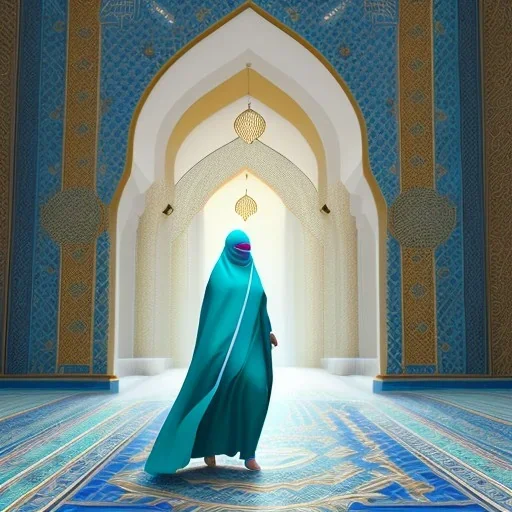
<point x="182" y="346"/>
<point x="126" y="283"/>
<point x="146" y="272"/>
<point x="145" y="286"/>
<point x="346" y="276"/>
<point x="162" y="321"/>
<point x="311" y="352"/>
<point x="330" y="298"/>
<point x="368" y="317"/>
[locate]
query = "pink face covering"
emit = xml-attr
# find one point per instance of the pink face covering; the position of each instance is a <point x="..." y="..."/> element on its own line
<point x="238" y="248"/>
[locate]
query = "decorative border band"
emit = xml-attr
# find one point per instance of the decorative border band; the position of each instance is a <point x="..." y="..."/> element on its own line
<point x="417" y="176"/>
<point x="8" y="79"/>
<point x="78" y="265"/>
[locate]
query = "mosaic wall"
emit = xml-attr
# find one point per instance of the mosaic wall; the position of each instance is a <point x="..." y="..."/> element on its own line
<point x="100" y="56"/>
<point x="470" y="96"/>
<point x="449" y="256"/>
<point x="497" y="59"/>
<point x="24" y="200"/>
<point x="42" y="339"/>
<point x="8" y="64"/>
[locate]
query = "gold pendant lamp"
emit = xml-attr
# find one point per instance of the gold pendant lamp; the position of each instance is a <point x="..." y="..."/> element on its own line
<point x="246" y="205"/>
<point x="249" y="125"/>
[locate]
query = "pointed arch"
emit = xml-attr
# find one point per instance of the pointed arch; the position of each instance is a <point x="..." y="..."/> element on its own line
<point x="262" y="90"/>
<point x="344" y="95"/>
<point x="209" y="174"/>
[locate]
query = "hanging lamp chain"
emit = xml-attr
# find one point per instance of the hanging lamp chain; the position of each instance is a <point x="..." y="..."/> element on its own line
<point x="249" y="125"/>
<point x="246" y="205"/>
<point x="249" y="84"/>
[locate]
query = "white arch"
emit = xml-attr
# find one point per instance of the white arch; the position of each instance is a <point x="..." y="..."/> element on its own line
<point x="250" y="38"/>
<point x="266" y="163"/>
<point x="246" y="38"/>
<point x="193" y="192"/>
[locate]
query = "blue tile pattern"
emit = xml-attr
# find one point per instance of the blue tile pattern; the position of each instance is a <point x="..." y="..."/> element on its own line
<point x="24" y="202"/>
<point x="472" y="188"/>
<point x="355" y="448"/>
<point x="321" y="453"/>
<point x="46" y="266"/>
<point x="394" y="307"/>
<point x="101" y="297"/>
<point x="449" y="256"/>
<point x="416" y="369"/>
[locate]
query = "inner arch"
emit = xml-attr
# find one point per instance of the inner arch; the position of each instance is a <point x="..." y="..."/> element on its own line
<point x="261" y="89"/>
<point x="209" y="174"/>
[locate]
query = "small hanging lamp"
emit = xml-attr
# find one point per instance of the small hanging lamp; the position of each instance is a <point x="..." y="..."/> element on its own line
<point x="249" y="125"/>
<point x="246" y="205"/>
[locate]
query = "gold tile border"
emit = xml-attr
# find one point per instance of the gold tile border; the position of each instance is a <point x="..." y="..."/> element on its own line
<point x="417" y="170"/>
<point x="8" y="85"/>
<point x="419" y="327"/>
<point x="496" y="47"/>
<point x="76" y="313"/>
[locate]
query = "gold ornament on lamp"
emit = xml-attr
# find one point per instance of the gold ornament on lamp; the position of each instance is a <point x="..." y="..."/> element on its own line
<point x="246" y="205"/>
<point x="249" y="125"/>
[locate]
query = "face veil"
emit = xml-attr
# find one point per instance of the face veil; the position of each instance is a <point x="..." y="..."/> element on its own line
<point x="238" y="248"/>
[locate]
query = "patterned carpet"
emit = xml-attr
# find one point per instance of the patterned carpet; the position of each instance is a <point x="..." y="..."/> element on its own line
<point x="328" y="445"/>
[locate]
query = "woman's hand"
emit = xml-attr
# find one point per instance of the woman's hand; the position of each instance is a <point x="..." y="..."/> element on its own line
<point x="273" y="339"/>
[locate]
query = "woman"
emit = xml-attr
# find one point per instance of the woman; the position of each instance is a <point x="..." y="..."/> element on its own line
<point x="223" y="403"/>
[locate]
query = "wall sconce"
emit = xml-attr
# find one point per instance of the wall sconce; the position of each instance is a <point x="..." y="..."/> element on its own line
<point x="325" y="209"/>
<point x="168" y="210"/>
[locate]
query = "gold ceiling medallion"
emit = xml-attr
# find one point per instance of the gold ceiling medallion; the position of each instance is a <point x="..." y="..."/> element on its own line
<point x="246" y="205"/>
<point x="249" y="125"/>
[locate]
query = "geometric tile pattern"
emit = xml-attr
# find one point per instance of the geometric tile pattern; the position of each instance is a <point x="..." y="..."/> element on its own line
<point x="74" y="216"/>
<point x="46" y="266"/>
<point x="449" y="269"/>
<point x="25" y="178"/>
<point x="320" y="452"/>
<point x="8" y="85"/>
<point x="496" y="58"/>
<point x="416" y="178"/>
<point x="101" y="309"/>
<point x="420" y="217"/>
<point x="473" y="222"/>
<point x="394" y="305"/>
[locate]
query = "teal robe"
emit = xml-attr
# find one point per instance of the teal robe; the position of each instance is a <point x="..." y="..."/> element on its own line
<point x="224" y="400"/>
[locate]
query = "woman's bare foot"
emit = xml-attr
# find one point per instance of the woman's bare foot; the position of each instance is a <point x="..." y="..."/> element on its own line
<point x="210" y="461"/>
<point x="252" y="465"/>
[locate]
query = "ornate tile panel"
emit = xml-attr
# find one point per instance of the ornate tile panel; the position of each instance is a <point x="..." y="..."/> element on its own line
<point x="473" y="214"/>
<point x="449" y="258"/>
<point x="8" y="64"/>
<point x="46" y="265"/>
<point x="24" y="201"/>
